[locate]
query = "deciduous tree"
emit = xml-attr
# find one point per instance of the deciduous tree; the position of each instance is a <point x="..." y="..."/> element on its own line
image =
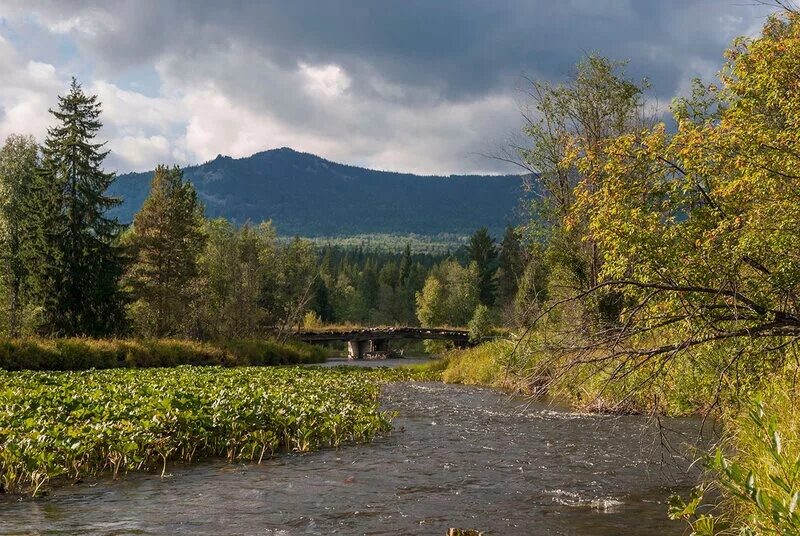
<point x="19" y="159"/>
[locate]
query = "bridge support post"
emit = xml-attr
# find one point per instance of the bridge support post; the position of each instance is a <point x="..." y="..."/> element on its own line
<point x="379" y="345"/>
<point x="356" y="349"/>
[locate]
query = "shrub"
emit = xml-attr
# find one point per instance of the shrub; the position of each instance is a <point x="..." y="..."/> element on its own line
<point x="760" y="481"/>
<point x="311" y="320"/>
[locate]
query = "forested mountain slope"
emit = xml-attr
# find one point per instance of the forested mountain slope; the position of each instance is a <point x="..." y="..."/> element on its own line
<point x="306" y="195"/>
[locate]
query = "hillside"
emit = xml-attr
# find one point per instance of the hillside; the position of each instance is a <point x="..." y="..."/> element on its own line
<point x="307" y="195"/>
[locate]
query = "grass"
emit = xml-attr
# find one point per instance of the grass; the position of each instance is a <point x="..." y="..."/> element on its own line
<point x="681" y="390"/>
<point x="480" y="365"/>
<point x="65" y="426"/>
<point x="82" y="353"/>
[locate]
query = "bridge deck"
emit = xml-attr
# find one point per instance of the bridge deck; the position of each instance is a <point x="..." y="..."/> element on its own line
<point x="370" y="334"/>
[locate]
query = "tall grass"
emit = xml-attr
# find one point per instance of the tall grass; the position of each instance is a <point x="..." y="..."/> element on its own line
<point x="82" y="353"/>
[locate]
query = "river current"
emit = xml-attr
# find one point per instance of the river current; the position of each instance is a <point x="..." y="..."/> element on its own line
<point x="459" y="456"/>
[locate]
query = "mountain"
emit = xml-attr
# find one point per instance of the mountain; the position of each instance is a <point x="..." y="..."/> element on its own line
<point x="306" y="195"/>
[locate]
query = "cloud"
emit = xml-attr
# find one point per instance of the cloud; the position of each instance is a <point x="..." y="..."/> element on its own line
<point x="419" y="85"/>
<point x="26" y="93"/>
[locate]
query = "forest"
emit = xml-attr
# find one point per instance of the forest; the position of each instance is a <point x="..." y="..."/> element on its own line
<point x="74" y="270"/>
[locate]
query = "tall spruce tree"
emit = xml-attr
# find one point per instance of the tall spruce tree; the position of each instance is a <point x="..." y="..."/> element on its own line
<point x="165" y="243"/>
<point x="483" y="252"/>
<point x="511" y="265"/>
<point x="78" y="260"/>
<point x="19" y="159"/>
<point x="405" y="266"/>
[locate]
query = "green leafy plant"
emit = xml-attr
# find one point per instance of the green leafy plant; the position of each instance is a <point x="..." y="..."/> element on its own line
<point x="69" y="425"/>
<point x="761" y="483"/>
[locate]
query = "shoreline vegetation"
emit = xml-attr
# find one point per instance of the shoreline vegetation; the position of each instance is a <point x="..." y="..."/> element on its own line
<point x="82" y="353"/>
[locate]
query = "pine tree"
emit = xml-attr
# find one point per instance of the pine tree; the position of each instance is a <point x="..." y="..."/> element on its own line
<point x="78" y="261"/>
<point x="165" y="244"/>
<point x="19" y="160"/>
<point x="405" y="266"/>
<point x="483" y="253"/>
<point x="511" y="265"/>
<point x="321" y="304"/>
<point x="369" y="285"/>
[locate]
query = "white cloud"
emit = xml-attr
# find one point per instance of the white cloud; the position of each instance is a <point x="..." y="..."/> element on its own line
<point x="128" y="109"/>
<point x="27" y="91"/>
<point x="327" y="80"/>
<point x="142" y="152"/>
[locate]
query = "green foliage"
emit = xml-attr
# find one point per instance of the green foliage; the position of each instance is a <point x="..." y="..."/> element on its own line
<point x="238" y="269"/>
<point x="165" y="243"/>
<point x="698" y="229"/>
<point x="59" y="425"/>
<point x="761" y="484"/>
<point x="533" y="286"/>
<point x="511" y="266"/>
<point x="419" y="244"/>
<point x="77" y="262"/>
<point x="311" y="320"/>
<point x="596" y="104"/>
<point x="701" y="524"/>
<point x="480" y="325"/>
<point x="483" y="252"/>
<point x="19" y="160"/>
<point x="449" y="296"/>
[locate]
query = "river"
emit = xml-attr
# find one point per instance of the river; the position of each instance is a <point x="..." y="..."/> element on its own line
<point x="460" y="456"/>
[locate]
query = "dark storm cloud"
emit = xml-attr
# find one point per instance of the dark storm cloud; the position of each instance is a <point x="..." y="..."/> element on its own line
<point x="457" y="48"/>
<point x="415" y="85"/>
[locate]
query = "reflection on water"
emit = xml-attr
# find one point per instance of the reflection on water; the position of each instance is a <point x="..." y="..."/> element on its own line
<point x="459" y="456"/>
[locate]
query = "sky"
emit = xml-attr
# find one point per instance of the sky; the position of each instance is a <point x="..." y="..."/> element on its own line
<point x="423" y="86"/>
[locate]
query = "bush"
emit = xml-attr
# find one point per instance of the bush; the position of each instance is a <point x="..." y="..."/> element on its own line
<point x="83" y="354"/>
<point x="760" y="481"/>
<point x="311" y="320"/>
<point x="480" y="326"/>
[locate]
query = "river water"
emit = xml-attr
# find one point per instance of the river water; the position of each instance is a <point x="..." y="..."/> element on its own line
<point x="460" y="456"/>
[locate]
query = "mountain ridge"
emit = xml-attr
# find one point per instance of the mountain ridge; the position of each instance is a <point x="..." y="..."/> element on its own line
<point x="304" y="194"/>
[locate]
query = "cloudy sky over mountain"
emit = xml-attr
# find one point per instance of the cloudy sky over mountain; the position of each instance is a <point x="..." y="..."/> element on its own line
<point x="418" y="85"/>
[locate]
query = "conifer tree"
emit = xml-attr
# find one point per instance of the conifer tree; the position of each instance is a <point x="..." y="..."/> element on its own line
<point x="511" y="265"/>
<point x="405" y="266"/>
<point x="483" y="253"/>
<point x="78" y="262"/>
<point x="166" y="242"/>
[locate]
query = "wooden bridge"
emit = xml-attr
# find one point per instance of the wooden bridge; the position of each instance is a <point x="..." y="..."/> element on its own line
<point x="374" y="340"/>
